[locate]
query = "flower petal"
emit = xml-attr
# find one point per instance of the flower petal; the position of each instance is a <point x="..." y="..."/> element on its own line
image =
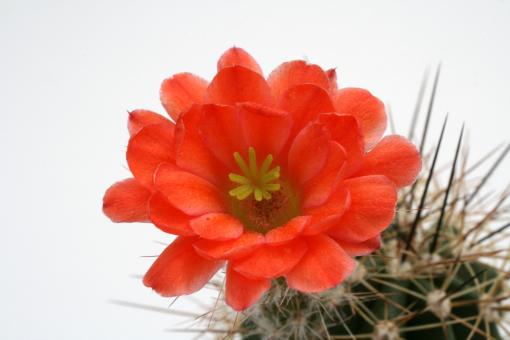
<point x="317" y="190"/>
<point x="190" y="152"/>
<point x="324" y="266"/>
<point x="180" y="92"/>
<point x="189" y="193"/>
<point x="368" y="109"/>
<point x="271" y="261"/>
<point x="230" y="249"/>
<point x="126" y="201"/>
<point x="394" y="157"/>
<point x="179" y="270"/>
<point x="217" y="226"/>
<point x="309" y="152"/>
<point x="372" y="209"/>
<point x="288" y="231"/>
<point x="222" y="134"/>
<point x="153" y="145"/>
<point x="328" y="214"/>
<point x="294" y="73"/>
<point x="236" y="56"/>
<point x="242" y="292"/>
<point x="167" y="217"/>
<point x="344" y="129"/>
<point x="304" y="102"/>
<point x="360" y="248"/>
<point x="138" y="119"/>
<point x="265" y="129"/>
<point x="239" y="84"/>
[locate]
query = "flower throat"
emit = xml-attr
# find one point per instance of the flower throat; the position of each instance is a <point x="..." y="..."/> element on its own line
<point x="261" y="199"/>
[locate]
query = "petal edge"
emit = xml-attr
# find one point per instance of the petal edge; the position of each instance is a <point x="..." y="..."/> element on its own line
<point x="179" y="270"/>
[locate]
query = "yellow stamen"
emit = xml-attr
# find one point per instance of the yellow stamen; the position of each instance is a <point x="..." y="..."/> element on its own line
<point x="254" y="180"/>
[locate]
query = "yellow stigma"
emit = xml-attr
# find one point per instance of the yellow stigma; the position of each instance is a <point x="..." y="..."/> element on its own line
<point x="254" y="180"/>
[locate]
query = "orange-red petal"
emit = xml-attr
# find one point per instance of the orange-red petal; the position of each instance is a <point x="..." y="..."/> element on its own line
<point x="138" y="119"/>
<point x="360" y="248"/>
<point x="265" y="129"/>
<point x="324" y="266"/>
<point x="217" y="226"/>
<point x="394" y="157"/>
<point x="373" y="200"/>
<point x="308" y="152"/>
<point x="369" y="111"/>
<point x="189" y="193"/>
<point x="318" y="189"/>
<point x="190" y="152"/>
<point x="328" y="214"/>
<point x="180" y="92"/>
<point x="221" y="133"/>
<point x="153" y="145"/>
<point x="126" y="201"/>
<point x="236" y="56"/>
<point x="345" y="130"/>
<point x="238" y="84"/>
<point x="179" y="270"/>
<point x="288" y="231"/>
<point x="230" y="249"/>
<point x="242" y="292"/>
<point x="304" y="102"/>
<point x="167" y="217"/>
<point x="272" y="261"/>
<point x="294" y="73"/>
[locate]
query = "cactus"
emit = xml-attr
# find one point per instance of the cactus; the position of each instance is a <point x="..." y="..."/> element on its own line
<point x="384" y="307"/>
<point x="441" y="272"/>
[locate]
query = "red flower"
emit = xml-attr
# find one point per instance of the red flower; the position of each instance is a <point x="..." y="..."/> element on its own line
<point x="284" y="177"/>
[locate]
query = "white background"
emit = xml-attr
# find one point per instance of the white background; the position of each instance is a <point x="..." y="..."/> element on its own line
<point x="69" y="70"/>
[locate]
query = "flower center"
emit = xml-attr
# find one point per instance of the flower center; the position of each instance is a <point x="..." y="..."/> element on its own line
<point x="262" y="200"/>
<point x="254" y="180"/>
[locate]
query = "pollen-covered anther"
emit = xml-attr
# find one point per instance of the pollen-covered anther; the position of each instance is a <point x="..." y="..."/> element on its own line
<point x="254" y="180"/>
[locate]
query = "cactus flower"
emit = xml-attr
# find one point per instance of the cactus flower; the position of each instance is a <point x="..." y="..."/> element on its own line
<point x="287" y="176"/>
